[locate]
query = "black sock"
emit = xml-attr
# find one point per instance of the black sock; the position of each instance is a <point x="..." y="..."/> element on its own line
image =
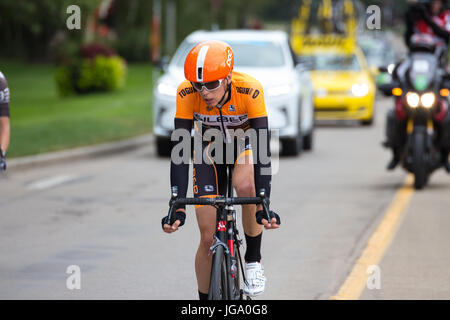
<point x="202" y="296"/>
<point x="253" y="252"/>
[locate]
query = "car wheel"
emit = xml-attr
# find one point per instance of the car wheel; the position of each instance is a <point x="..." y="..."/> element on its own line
<point x="308" y="141"/>
<point x="163" y="146"/>
<point x="292" y="146"/>
<point x="368" y="122"/>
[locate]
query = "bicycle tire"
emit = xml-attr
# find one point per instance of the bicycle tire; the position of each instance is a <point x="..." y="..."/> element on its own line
<point x="237" y="292"/>
<point x="218" y="286"/>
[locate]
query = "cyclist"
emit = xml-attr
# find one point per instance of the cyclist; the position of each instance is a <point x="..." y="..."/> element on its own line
<point x="4" y="121"/>
<point x="217" y="97"/>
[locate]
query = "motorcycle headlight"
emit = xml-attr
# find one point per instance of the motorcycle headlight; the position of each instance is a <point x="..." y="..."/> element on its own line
<point x="428" y="99"/>
<point x="412" y="99"/>
<point x="360" y="90"/>
<point x="167" y="89"/>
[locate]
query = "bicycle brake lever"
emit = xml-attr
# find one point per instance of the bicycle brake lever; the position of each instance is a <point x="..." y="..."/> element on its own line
<point x="172" y="200"/>
<point x="265" y="203"/>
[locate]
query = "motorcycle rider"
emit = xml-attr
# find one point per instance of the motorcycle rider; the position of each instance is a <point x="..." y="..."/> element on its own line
<point x="429" y="17"/>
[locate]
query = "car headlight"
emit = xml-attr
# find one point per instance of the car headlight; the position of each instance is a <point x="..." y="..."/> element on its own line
<point x="412" y="99"/>
<point x="167" y="89"/>
<point x="428" y="99"/>
<point x="360" y="90"/>
<point x="279" y="90"/>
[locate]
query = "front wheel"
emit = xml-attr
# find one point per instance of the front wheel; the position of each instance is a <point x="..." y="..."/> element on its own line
<point x="218" y="286"/>
<point x="419" y="164"/>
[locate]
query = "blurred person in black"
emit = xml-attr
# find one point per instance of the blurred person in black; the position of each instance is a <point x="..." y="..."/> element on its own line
<point x="428" y="17"/>
<point x="4" y="121"/>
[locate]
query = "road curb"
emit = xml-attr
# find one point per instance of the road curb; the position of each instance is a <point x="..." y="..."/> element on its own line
<point x="99" y="150"/>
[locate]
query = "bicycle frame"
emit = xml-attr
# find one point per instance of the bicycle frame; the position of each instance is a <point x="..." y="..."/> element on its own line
<point x="227" y="236"/>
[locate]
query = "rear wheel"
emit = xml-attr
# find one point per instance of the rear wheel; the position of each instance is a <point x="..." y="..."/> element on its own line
<point x="419" y="164"/>
<point x="218" y="289"/>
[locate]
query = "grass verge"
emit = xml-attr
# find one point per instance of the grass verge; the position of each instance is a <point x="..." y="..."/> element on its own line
<point x="42" y="121"/>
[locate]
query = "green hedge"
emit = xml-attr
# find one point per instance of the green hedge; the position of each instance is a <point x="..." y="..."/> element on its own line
<point x="91" y="75"/>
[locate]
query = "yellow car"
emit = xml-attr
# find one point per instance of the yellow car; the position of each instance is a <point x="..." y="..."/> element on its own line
<point x="343" y="85"/>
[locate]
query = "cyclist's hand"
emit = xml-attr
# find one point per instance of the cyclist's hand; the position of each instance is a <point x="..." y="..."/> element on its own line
<point x="274" y="222"/>
<point x="177" y="220"/>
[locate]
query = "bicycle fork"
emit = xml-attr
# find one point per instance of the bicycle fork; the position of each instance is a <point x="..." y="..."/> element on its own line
<point x="226" y="237"/>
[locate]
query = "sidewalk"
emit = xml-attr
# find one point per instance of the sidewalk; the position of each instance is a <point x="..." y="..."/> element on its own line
<point x="80" y="153"/>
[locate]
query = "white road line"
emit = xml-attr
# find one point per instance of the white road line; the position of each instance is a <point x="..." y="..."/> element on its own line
<point x="50" y="182"/>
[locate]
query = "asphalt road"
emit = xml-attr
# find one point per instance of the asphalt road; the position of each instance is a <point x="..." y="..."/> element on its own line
<point x="104" y="214"/>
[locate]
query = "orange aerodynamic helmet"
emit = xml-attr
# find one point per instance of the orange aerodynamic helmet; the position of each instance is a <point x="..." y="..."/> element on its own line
<point x="209" y="61"/>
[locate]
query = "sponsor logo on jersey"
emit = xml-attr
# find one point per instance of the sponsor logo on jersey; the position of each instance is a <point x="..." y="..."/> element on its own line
<point x="184" y="92"/>
<point x="217" y="119"/>
<point x="244" y="90"/>
<point x="232" y="108"/>
<point x="209" y="188"/>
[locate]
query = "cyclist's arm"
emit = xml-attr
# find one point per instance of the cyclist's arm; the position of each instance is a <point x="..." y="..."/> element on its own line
<point x="179" y="173"/>
<point x="4" y="114"/>
<point x="261" y="156"/>
<point x="262" y="169"/>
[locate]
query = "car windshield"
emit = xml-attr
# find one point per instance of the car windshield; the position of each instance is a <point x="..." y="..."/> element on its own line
<point x="331" y="62"/>
<point x="253" y="54"/>
<point x="377" y="55"/>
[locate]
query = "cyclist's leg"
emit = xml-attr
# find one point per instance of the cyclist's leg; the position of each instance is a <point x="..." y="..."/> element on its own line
<point x="208" y="181"/>
<point x="243" y="182"/>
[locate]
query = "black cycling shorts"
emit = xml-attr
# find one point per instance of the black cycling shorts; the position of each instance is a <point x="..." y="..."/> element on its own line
<point x="210" y="174"/>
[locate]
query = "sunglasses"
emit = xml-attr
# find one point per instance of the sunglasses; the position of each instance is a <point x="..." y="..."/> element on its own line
<point x="209" y="86"/>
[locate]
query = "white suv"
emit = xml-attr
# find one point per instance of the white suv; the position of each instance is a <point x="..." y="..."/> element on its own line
<point x="266" y="56"/>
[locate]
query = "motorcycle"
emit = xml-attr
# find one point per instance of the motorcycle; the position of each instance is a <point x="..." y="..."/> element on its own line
<point x="420" y="87"/>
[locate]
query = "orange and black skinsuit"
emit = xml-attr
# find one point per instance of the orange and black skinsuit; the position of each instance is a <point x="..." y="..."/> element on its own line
<point x="244" y="108"/>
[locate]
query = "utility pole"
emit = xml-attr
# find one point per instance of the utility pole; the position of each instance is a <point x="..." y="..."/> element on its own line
<point x="171" y="19"/>
<point x="155" y="35"/>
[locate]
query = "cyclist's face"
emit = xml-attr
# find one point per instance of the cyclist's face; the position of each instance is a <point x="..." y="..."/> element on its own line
<point x="212" y="98"/>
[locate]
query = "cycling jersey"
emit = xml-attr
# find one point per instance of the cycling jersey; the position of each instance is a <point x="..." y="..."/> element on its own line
<point x="245" y="102"/>
<point x="243" y="109"/>
<point x="4" y="96"/>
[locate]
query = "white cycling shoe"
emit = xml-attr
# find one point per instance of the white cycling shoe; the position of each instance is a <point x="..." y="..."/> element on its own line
<point x="255" y="279"/>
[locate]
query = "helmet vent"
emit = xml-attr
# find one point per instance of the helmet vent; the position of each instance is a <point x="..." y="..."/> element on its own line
<point x="200" y="73"/>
